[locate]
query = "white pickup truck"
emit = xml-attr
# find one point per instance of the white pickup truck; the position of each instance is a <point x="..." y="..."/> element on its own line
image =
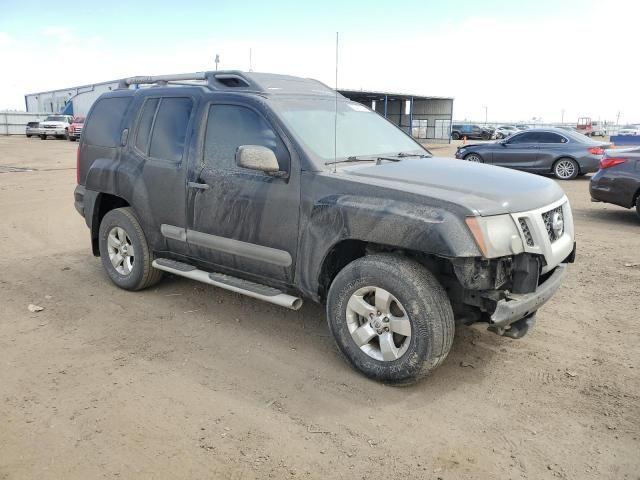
<point x="55" y="126"/>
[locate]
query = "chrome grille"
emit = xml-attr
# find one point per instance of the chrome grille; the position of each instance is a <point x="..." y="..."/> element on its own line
<point x="547" y="217"/>
<point x="526" y="231"/>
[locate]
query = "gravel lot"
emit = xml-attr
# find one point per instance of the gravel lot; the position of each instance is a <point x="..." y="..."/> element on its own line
<point x="188" y="381"/>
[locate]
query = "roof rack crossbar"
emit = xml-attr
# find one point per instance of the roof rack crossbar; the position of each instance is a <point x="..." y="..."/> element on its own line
<point x="160" y="79"/>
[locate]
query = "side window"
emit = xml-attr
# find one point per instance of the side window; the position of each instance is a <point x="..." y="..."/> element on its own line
<point x="523" y="138"/>
<point x="144" y="124"/>
<point x="231" y="126"/>
<point x="548" y="137"/>
<point x="103" y="126"/>
<point x="170" y="129"/>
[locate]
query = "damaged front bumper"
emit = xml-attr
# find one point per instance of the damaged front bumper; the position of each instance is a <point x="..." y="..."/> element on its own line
<point x="515" y="314"/>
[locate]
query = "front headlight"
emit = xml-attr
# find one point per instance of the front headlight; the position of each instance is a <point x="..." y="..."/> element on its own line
<point x="461" y="151"/>
<point x="496" y="236"/>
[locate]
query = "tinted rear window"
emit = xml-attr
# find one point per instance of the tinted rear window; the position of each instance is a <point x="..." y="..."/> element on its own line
<point x="170" y="129"/>
<point x="103" y="127"/>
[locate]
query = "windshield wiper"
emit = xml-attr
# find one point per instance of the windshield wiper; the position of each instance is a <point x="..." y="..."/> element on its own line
<point x="405" y="155"/>
<point x="378" y="158"/>
<point x="358" y="158"/>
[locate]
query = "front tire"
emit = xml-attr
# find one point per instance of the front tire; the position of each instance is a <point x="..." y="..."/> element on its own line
<point x="638" y="205"/>
<point x="43" y="137"/>
<point x="455" y="136"/>
<point x="124" y="251"/>
<point x="566" y="169"/>
<point x="474" y="157"/>
<point x="390" y="318"/>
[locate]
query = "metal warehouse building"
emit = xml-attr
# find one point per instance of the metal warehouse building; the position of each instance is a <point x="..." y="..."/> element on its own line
<point x="425" y="118"/>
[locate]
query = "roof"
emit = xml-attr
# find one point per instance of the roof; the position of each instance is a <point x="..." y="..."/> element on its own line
<point x="265" y="83"/>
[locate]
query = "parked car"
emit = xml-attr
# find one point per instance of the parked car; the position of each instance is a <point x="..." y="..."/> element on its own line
<point x="618" y="180"/>
<point x="55" y="126"/>
<point x="75" y="129"/>
<point x="540" y="150"/>
<point x="32" y="128"/>
<point x="629" y="130"/>
<point x="372" y="226"/>
<point x="471" y="131"/>
<point x="504" y="131"/>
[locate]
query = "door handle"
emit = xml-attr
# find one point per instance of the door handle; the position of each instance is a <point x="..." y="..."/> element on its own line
<point x="199" y="186"/>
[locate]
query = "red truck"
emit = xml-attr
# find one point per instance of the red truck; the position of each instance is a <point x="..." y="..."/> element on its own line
<point x="75" y="129"/>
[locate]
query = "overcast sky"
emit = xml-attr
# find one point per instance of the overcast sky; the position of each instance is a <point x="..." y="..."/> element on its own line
<point x="520" y="59"/>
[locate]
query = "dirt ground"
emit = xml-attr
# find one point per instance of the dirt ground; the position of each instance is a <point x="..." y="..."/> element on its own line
<point x="189" y="381"/>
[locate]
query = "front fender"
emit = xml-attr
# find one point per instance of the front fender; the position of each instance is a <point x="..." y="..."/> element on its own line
<point x="384" y="221"/>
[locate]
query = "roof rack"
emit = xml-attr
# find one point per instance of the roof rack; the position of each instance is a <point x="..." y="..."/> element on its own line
<point x="266" y="83"/>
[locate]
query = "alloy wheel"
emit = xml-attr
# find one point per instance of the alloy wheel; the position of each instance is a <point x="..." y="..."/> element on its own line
<point x="121" y="252"/>
<point x="378" y="323"/>
<point x="565" y="169"/>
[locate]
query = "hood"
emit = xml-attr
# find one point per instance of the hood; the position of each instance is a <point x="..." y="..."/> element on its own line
<point x="483" y="189"/>
<point x="53" y="124"/>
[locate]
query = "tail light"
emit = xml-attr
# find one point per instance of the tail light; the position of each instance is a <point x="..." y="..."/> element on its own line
<point x="596" y="150"/>
<point x="78" y="165"/>
<point x="610" y="162"/>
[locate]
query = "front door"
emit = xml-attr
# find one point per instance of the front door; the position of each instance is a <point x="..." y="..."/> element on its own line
<point x="518" y="151"/>
<point x="243" y="220"/>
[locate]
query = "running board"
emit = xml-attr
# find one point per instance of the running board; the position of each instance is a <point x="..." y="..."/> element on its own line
<point x="250" y="289"/>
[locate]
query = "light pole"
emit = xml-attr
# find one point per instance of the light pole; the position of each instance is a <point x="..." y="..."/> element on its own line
<point x="486" y="114"/>
<point x="217" y="60"/>
<point x="562" y="117"/>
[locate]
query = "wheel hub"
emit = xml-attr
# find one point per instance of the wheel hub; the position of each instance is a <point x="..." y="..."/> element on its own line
<point x="378" y="323"/>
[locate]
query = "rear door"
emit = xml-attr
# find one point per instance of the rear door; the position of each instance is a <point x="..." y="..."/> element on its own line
<point x="244" y="220"/>
<point x="518" y="151"/>
<point x="157" y="161"/>
<point x="551" y="145"/>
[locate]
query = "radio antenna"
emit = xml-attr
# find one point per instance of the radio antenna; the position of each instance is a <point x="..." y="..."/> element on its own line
<point x="335" y="118"/>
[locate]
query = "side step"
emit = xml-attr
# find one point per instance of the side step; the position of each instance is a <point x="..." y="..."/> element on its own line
<point x="250" y="289"/>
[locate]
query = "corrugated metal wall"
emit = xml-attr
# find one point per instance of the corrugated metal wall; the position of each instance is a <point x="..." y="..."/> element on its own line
<point x="55" y="100"/>
<point x="14" y="123"/>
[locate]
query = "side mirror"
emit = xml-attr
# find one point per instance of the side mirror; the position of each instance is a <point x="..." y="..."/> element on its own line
<point x="257" y="157"/>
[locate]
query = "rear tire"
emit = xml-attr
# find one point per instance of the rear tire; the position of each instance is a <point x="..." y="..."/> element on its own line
<point x="124" y="251"/>
<point x="455" y="136"/>
<point x="566" y="169"/>
<point x="28" y="135"/>
<point x="43" y="137"/>
<point x="72" y="139"/>
<point x="418" y="331"/>
<point x="638" y="204"/>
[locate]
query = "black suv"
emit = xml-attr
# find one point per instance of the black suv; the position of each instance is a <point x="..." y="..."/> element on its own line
<point x="472" y="132"/>
<point x="278" y="188"/>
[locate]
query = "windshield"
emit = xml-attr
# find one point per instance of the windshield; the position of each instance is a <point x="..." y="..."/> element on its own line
<point x="55" y="118"/>
<point x="360" y="131"/>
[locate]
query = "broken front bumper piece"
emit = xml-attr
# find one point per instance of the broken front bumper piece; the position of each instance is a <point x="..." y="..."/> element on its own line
<point x="514" y="315"/>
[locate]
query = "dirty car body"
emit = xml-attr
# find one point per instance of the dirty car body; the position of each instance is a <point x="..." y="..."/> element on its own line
<point x="495" y="240"/>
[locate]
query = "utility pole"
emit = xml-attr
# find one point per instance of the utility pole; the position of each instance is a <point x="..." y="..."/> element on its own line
<point x="562" y="117"/>
<point x="618" y="119"/>
<point x="250" y="61"/>
<point x="217" y="60"/>
<point x="486" y="114"/>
